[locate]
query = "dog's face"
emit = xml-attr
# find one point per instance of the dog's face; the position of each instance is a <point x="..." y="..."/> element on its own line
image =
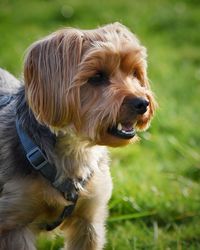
<point x="93" y="82"/>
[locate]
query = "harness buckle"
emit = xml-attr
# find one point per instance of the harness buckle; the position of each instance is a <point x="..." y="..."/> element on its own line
<point x="36" y="158"/>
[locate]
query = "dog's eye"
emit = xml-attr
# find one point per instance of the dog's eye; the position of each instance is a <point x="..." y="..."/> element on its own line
<point x="98" y="79"/>
<point x="135" y="73"/>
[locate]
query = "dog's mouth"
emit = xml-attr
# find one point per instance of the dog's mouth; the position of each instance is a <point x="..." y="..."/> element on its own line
<point x="123" y="130"/>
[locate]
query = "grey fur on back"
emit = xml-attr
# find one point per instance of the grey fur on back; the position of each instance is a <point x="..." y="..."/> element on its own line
<point x="7" y="81"/>
<point x="8" y="137"/>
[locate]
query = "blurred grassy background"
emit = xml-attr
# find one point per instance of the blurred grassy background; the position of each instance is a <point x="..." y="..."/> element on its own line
<point x="156" y="198"/>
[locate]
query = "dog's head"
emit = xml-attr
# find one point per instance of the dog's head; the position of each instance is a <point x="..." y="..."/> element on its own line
<point x="93" y="81"/>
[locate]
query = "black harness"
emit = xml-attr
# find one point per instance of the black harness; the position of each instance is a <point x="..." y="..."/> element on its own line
<point x="40" y="163"/>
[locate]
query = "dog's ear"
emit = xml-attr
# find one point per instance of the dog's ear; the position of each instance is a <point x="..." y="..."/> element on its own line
<point x="49" y="69"/>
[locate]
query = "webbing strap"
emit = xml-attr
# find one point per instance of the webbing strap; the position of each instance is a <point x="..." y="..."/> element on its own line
<point x="35" y="156"/>
<point x="39" y="162"/>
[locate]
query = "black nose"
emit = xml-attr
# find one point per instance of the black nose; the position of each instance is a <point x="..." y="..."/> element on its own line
<point x="139" y="104"/>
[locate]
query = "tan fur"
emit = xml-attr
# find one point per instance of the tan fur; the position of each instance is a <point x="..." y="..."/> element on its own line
<point x="56" y="73"/>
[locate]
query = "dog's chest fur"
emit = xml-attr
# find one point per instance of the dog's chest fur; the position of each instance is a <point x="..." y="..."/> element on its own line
<point x="78" y="161"/>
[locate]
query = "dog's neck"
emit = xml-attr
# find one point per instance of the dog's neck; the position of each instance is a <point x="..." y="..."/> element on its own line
<point x="76" y="157"/>
<point x="72" y="156"/>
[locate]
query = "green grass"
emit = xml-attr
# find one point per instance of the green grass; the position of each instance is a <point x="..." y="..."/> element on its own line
<point x="156" y="198"/>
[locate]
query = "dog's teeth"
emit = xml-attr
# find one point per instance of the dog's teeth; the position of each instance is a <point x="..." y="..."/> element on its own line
<point x="119" y="126"/>
<point x="127" y="132"/>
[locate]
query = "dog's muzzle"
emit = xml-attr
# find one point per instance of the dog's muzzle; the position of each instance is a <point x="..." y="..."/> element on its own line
<point x="132" y="107"/>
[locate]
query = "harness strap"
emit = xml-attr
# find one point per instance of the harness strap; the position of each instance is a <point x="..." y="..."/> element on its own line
<point x="35" y="156"/>
<point x="67" y="211"/>
<point x="39" y="162"/>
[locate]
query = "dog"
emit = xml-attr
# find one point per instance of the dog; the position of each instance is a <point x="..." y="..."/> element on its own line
<point x="82" y="90"/>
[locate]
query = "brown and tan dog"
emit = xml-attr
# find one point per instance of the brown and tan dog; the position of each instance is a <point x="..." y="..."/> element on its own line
<point x="83" y="90"/>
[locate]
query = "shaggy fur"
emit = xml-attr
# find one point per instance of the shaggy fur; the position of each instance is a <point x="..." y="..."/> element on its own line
<point x="78" y="84"/>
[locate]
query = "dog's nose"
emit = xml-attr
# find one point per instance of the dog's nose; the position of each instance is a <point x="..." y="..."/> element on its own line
<point x="139" y="104"/>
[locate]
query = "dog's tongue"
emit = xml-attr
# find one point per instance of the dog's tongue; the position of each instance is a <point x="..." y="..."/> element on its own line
<point x="127" y="126"/>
